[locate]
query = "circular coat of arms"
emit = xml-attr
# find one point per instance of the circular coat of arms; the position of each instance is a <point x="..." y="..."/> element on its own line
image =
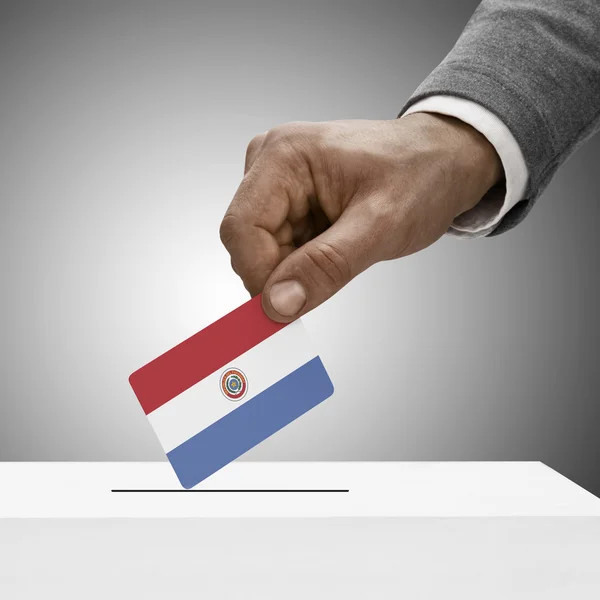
<point x="234" y="384"/>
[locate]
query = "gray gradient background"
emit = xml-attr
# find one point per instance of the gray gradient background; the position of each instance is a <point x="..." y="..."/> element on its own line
<point x="123" y="127"/>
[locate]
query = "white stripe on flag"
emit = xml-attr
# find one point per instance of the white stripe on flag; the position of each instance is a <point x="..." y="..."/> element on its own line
<point x="201" y="405"/>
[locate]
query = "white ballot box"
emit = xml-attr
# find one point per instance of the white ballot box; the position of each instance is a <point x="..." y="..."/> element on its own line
<point x="297" y="530"/>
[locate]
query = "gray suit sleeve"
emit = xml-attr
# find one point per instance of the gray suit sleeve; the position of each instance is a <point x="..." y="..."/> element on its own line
<point x="536" y="65"/>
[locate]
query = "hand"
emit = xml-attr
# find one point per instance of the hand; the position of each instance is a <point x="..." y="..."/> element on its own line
<point x="322" y="202"/>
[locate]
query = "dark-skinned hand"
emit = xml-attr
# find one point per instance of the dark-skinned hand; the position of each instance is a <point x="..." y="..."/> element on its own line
<point x="321" y="202"/>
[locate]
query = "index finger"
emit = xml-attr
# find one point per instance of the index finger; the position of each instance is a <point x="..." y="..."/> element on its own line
<point x="255" y="230"/>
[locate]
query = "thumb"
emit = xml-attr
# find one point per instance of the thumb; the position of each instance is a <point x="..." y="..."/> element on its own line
<point x="317" y="270"/>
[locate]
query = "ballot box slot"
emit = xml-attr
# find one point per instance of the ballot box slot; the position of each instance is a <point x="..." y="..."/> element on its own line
<point x="227" y="491"/>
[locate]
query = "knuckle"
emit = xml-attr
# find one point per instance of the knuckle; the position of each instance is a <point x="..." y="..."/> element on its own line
<point x="274" y="135"/>
<point x="228" y="229"/>
<point x="255" y="144"/>
<point x="330" y="262"/>
<point x="287" y="133"/>
<point x="287" y="145"/>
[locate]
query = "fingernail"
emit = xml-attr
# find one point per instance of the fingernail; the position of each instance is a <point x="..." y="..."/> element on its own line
<point x="287" y="298"/>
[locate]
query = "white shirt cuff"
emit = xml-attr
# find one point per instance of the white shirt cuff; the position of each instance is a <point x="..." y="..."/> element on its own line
<point x="483" y="218"/>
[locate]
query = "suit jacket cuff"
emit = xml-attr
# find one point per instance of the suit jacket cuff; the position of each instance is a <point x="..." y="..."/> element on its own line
<point x="489" y="212"/>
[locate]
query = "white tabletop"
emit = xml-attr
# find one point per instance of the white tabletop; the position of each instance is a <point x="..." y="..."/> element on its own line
<point x="402" y="530"/>
<point x="292" y="489"/>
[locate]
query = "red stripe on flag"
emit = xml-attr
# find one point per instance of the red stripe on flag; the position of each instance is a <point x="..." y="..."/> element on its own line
<point x="202" y="354"/>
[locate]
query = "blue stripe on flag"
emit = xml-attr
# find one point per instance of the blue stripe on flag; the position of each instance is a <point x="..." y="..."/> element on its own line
<point x="251" y="423"/>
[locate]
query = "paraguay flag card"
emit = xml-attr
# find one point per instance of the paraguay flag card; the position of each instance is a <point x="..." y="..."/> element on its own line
<point x="224" y="390"/>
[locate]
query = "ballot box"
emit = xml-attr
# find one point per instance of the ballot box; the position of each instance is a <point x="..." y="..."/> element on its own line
<point x="297" y="530"/>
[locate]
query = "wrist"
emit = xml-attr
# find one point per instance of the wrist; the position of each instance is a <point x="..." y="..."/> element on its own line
<point x="470" y="158"/>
